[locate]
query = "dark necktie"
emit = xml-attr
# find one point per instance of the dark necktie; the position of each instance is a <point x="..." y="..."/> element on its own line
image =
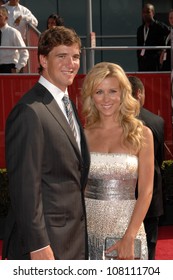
<point x="69" y="113"/>
<point x="0" y="36"/>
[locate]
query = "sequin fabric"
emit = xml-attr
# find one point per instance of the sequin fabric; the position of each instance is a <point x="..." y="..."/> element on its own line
<point x="110" y="200"/>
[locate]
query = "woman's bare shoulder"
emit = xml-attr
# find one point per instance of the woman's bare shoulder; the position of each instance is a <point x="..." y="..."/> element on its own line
<point x="147" y="132"/>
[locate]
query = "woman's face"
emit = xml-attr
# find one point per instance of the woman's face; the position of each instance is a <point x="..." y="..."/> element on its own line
<point x="51" y="23"/>
<point x="107" y="97"/>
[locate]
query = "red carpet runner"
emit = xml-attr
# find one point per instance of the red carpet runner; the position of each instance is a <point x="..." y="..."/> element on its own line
<point x="164" y="250"/>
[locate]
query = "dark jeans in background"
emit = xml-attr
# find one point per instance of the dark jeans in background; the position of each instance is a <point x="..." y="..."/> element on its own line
<point x="6" y="68"/>
<point x="151" y="228"/>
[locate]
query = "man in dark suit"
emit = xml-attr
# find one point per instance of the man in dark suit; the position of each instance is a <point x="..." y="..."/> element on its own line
<point x="47" y="166"/>
<point x="150" y="33"/>
<point x="156" y="124"/>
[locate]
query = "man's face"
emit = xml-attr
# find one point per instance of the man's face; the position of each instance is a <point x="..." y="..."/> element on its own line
<point x="142" y="100"/>
<point x="171" y="18"/>
<point x="61" y="65"/>
<point x="147" y="14"/>
<point x="14" y="2"/>
<point x="3" y="18"/>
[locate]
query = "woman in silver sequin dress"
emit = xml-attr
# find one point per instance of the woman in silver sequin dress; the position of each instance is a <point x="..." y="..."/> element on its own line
<point x="121" y="153"/>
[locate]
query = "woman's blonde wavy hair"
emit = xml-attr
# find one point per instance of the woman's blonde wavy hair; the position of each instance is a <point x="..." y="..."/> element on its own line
<point x="129" y="108"/>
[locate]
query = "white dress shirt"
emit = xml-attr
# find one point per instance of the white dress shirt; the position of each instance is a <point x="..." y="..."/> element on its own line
<point x="58" y="95"/>
<point x="27" y="17"/>
<point x="11" y="37"/>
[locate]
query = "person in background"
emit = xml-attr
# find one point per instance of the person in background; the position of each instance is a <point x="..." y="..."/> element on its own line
<point x="165" y="57"/>
<point x="121" y="150"/>
<point x="2" y="2"/>
<point x="156" y="124"/>
<point x="47" y="162"/>
<point x="19" y="16"/>
<point x="11" y="60"/>
<point x="54" y="20"/>
<point x="150" y="33"/>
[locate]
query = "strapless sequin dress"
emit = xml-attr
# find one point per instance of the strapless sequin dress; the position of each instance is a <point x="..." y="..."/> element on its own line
<point x="110" y="200"/>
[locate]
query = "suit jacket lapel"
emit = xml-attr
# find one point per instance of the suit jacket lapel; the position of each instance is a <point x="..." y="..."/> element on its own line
<point x="56" y="112"/>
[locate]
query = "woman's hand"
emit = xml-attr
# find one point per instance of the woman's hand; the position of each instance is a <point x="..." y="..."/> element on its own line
<point x="124" y="248"/>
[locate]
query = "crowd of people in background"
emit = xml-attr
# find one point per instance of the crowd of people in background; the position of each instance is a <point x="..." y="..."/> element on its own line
<point x="19" y="16"/>
<point x="14" y="19"/>
<point x="54" y="20"/>
<point x="11" y="60"/>
<point x="151" y="33"/>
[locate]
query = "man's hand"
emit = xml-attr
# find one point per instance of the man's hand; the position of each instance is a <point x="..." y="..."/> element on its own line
<point x="43" y="254"/>
<point x="17" y="21"/>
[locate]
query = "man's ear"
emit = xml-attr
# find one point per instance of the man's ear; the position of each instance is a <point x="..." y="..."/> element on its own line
<point x="43" y="60"/>
<point x="138" y="95"/>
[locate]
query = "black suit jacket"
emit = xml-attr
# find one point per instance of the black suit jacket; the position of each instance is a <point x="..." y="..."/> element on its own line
<point x="156" y="37"/>
<point x="156" y="124"/>
<point x="47" y="177"/>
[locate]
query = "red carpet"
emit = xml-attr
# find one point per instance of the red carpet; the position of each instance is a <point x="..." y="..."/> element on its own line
<point x="0" y="249"/>
<point x="164" y="250"/>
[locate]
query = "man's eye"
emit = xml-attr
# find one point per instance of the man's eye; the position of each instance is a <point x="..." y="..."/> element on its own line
<point x="76" y="57"/>
<point x="61" y="56"/>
